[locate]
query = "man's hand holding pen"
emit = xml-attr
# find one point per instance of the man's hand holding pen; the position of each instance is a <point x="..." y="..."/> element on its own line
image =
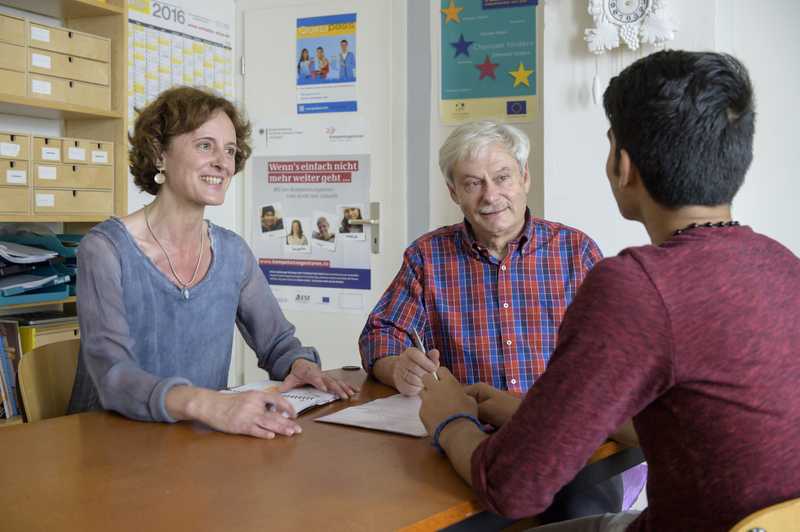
<point x="412" y="364"/>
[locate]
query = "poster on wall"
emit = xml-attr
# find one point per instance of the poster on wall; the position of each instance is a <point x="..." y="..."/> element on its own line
<point x="312" y="258"/>
<point x="326" y="51"/>
<point x="488" y="60"/>
<point x="180" y="42"/>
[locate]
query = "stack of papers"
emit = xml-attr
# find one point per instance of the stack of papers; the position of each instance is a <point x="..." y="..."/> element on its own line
<point x="21" y="254"/>
<point x="25" y="269"/>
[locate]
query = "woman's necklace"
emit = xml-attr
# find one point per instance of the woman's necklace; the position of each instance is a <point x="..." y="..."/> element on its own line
<point x="695" y="225"/>
<point x="184" y="286"/>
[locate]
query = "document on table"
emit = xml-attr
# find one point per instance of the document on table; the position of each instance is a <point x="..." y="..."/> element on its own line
<point x="300" y="398"/>
<point x="398" y="413"/>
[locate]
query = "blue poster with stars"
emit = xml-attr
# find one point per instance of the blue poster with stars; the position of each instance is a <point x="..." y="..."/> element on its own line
<point x="488" y="57"/>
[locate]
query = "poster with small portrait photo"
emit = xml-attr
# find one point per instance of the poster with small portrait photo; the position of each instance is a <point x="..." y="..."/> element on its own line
<point x="271" y="220"/>
<point x="323" y="233"/>
<point x="352" y="211"/>
<point x="298" y="234"/>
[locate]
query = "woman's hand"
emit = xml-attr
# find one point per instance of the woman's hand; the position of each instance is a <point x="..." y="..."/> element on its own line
<point x="306" y="372"/>
<point x="256" y="413"/>
<point x="495" y="407"/>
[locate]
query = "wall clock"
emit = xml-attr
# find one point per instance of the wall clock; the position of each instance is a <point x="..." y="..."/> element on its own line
<point x="634" y="21"/>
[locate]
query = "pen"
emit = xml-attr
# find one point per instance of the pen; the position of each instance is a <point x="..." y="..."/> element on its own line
<point x="421" y="347"/>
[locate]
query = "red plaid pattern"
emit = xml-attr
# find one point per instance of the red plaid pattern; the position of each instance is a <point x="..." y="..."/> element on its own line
<point x="492" y="321"/>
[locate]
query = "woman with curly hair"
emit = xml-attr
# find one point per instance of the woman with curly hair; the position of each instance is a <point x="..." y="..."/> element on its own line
<point x="160" y="289"/>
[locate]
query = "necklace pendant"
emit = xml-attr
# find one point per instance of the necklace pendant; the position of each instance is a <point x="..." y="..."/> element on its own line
<point x="185" y="293"/>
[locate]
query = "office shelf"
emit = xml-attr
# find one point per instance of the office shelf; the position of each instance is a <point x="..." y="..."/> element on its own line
<point x="67" y="9"/>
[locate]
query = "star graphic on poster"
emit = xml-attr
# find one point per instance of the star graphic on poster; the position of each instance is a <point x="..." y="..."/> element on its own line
<point x="461" y="46"/>
<point x="521" y="75"/>
<point x="451" y="12"/>
<point x="487" y="68"/>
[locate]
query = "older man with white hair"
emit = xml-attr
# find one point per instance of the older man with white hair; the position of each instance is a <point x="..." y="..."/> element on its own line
<point x="487" y="295"/>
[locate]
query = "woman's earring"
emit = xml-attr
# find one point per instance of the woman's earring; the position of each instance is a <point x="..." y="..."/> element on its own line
<point x="159" y="178"/>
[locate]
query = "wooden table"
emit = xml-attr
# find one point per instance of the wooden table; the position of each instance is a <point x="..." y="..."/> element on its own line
<point x="100" y="471"/>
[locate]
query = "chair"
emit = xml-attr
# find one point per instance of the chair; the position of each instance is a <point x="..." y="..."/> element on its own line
<point x="46" y="376"/>
<point x="784" y="516"/>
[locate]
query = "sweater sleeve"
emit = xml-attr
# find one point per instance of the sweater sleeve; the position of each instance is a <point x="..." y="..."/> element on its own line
<point x="264" y="327"/>
<point x="613" y="357"/>
<point x="106" y="343"/>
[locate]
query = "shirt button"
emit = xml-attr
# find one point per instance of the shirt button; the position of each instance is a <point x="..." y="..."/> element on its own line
<point x="508" y="342"/>
<point x="503" y="267"/>
<point x="513" y="381"/>
<point x="505" y="305"/>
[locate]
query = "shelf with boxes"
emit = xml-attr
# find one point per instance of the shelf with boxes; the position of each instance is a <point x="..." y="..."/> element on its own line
<point x="64" y="60"/>
<point x="49" y="64"/>
<point x="75" y="73"/>
<point x="55" y="176"/>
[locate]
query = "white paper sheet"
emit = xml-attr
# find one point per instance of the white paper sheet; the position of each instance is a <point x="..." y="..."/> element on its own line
<point x="41" y="61"/>
<point x="9" y="149"/>
<point x="41" y="87"/>
<point x="398" y="413"/>
<point x="76" y="154"/>
<point x="48" y="172"/>
<point x="21" y="254"/>
<point x="40" y="34"/>
<point x="51" y="154"/>
<point x="16" y="177"/>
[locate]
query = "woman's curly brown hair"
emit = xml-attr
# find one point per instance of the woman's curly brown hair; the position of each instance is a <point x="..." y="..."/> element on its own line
<point x="177" y="111"/>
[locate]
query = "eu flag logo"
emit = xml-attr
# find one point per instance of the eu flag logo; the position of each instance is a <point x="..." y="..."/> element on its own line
<point x="516" y="107"/>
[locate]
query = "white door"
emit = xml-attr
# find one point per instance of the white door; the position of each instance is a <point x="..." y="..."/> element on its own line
<point x="270" y="94"/>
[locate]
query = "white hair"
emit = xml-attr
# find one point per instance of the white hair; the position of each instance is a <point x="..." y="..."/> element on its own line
<point x="468" y="140"/>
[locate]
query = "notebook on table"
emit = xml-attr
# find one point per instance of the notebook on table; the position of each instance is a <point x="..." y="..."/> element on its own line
<point x="301" y="399"/>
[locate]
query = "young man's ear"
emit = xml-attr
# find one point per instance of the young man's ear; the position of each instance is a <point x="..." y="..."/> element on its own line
<point x="627" y="171"/>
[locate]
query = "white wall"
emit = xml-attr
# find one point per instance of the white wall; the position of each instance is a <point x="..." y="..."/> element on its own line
<point x="229" y="214"/>
<point x="568" y="142"/>
<point x="442" y="209"/>
<point x="764" y="36"/>
<point x="382" y="103"/>
<point x="575" y="148"/>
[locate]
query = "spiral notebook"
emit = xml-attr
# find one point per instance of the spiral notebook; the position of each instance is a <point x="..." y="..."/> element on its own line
<point x="301" y="399"/>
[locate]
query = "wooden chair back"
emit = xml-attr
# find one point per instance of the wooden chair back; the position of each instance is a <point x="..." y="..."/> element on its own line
<point x="781" y="517"/>
<point x="46" y="375"/>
